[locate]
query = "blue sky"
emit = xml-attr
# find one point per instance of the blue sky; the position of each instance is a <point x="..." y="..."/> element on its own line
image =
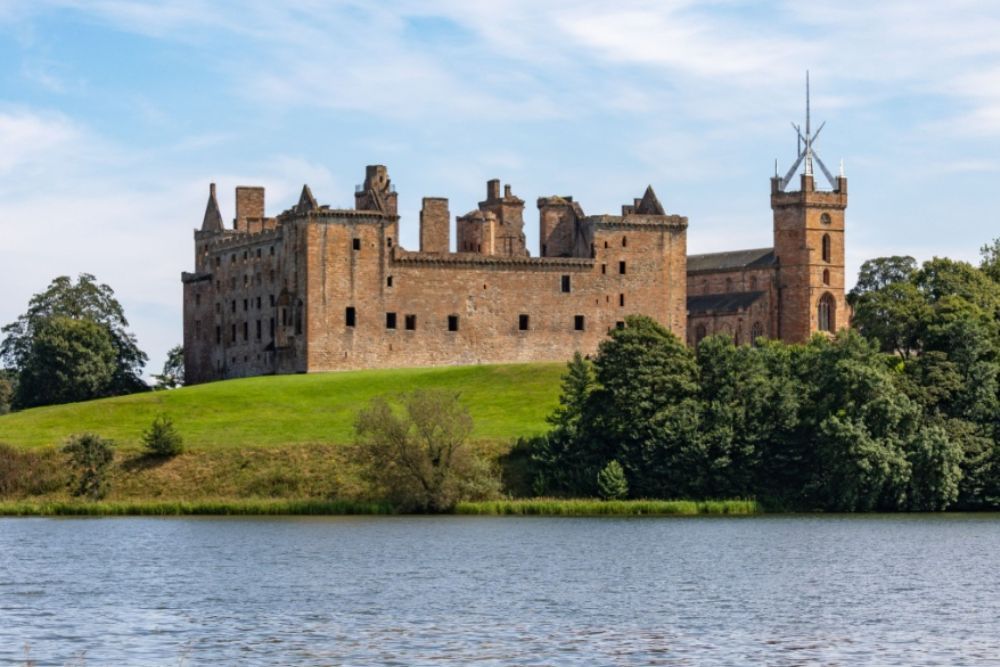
<point x="115" y="116"/>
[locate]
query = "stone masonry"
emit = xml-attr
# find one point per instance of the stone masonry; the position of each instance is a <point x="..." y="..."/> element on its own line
<point x="320" y="289"/>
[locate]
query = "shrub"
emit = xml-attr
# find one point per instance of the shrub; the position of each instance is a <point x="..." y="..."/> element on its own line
<point x="417" y="458"/>
<point x="611" y="483"/>
<point x="90" y="457"/>
<point x="162" y="438"/>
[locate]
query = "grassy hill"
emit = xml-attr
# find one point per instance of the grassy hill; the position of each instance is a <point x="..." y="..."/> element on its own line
<point x="505" y="401"/>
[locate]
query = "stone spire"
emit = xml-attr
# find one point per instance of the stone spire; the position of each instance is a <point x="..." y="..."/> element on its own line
<point x="306" y="201"/>
<point x="213" y="217"/>
<point x="649" y="205"/>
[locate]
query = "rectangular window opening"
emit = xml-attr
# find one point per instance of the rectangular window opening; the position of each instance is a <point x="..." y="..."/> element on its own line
<point x="356" y="244"/>
<point x="621" y="268"/>
<point x="388" y="281"/>
<point x="411" y="322"/>
<point x="390" y="320"/>
<point x="565" y="284"/>
<point x="350" y="319"/>
<point x="578" y="323"/>
<point x="453" y="323"/>
<point x="621" y="300"/>
<point x="523" y="321"/>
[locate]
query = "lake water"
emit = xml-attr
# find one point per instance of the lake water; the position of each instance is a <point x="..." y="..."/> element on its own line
<point x="777" y="590"/>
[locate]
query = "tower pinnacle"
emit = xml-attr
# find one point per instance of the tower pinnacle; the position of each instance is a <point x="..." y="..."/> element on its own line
<point x="806" y="153"/>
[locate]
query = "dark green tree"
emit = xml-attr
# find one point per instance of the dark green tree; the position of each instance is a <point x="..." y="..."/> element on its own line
<point x="563" y="458"/>
<point x="85" y="301"/>
<point x="161" y="439"/>
<point x="611" y="482"/>
<point x="67" y="360"/>
<point x="644" y="411"/>
<point x="173" y="370"/>
<point x="746" y="409"/>
<point x="990" y="264"/>
<point x="90" y="457"/>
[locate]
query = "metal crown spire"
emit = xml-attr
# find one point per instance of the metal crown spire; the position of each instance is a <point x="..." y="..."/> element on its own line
<point x="806" y="152"/>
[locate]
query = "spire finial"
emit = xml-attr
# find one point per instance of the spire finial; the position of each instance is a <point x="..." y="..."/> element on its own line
<point x="805" y="152"/>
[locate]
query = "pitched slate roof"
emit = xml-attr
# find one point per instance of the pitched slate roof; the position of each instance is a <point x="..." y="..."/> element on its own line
<point x="732" y="302"/>
<point x="731" y="260"/>
<point x="650" y="205"/>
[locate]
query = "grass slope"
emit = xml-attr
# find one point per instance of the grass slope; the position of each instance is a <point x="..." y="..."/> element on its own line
<point x="506" y="401"/>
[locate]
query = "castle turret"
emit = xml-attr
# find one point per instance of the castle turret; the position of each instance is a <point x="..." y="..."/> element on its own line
<point x="377" y="193"/>
<point x="509" y="212"/>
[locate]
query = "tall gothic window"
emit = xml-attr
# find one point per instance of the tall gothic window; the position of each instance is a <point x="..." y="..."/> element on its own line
<point x="827" y="313"/>
<point x="756" y="332"/>
<point x="826" y="247"/>
<point x="699" y="333"/>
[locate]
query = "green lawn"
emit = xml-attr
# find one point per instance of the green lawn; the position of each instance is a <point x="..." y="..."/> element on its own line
<point x="506" y="401"/>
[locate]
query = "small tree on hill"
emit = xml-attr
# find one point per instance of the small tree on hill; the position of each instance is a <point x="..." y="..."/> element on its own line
<point x="417" y="457"/>
<point x="611" y="482"/>
<point x="162" y="438"/>
<point x="90" y="456"/>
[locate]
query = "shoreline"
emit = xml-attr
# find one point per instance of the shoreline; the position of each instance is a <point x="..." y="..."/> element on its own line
<point x="280" y="507"/>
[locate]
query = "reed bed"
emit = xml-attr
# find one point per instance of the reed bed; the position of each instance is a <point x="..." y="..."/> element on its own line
<point x="592" y="507"/>
<point x="221" y="507"/>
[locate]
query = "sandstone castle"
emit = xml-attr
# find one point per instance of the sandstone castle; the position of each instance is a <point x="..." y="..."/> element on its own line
<point x="318" y="289"/>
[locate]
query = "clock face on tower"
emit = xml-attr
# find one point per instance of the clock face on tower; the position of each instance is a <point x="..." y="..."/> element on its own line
<point x="825" y="218"/>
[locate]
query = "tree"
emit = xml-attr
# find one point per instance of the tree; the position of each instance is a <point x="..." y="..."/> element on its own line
<point x="67" y="361"/>
<point x="881" y="272"/>
<point x="173" y="370"/>
<point x="990" y="264"/>
<point x="644" y="411"/>
<point x="611" y="482"/>
<point x="562" y="460"/>
<point x="90" y="457"/>
<point x="418" y="457"/>
<point x="83" y="301"/>
<point x="162" y="438"/>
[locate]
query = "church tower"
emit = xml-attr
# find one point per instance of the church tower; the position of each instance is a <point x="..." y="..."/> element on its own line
<point x="809" y="244"/>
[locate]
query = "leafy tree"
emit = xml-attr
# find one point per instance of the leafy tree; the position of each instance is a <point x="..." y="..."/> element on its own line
<point x="861" y="423"/>
<point x="990" y="264"/>
<point x="90" y="457"/>
<point x="67" y="360"/>
<point x="418" y="458"/>
<point x="644" y="411"/>
<point x="881" y="272"/>
<point x="611" y="482"/>
<point x="83" y="301"/>
<point x="173" y="370"/>
<point x="162" y="438"/>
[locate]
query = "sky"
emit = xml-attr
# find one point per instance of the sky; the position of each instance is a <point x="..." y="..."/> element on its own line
<point x="115" y="117"/>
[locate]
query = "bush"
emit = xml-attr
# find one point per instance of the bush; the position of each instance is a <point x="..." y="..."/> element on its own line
<point x="417" y="458"/>
<point x="611" y="483"/>
<point x="90" y="457"/>
<point x="162" y="438"/>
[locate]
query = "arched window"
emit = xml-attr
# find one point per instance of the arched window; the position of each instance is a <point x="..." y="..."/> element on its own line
<point x="826" y="276"/>
<point x="756" y="333"/>
<point x="753" y="282"/>
<point x="826" y="247"/>
<point x="827" y="312"/>
<point x="699" y="333"/>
